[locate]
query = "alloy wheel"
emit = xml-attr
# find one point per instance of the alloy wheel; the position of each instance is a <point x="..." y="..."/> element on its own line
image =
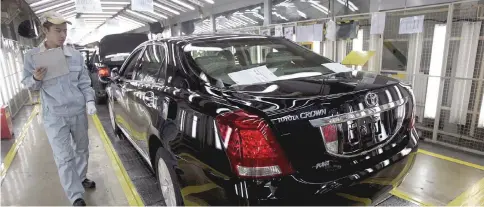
<point x="166" y="184"/>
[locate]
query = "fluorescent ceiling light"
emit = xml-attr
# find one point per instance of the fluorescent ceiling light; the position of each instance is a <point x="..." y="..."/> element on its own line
<point x="436" y="61"/>
<point x="69" y="13"/>
<point x="158" y="15"/>
<point x="127" y="22"/>
<point x="114" y="7"/>
<point x="166" y="8"/>
<point x="302" y="14"/>
<point x="140" y="15"/>
<point x="93" y="18"/>
<point x="39" y="3"/>
<point x="131" y="20"/>
<point x="66" y="9"/>
<point x="96" y="15"/>
<point x="320" y="7"/>
<point x="209" y="1"/>
<point x="116" y="3"/>
<point x="184" y="4"/>
<point x="99" y="13"/>
<point x="52" y="7"/>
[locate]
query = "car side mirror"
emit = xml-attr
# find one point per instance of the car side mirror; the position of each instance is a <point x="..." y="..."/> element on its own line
<point x="114" y="74"/>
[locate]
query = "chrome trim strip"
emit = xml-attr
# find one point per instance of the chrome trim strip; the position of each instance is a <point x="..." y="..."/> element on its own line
<point x="357" y="114"/>
<point x="382" y="108"/>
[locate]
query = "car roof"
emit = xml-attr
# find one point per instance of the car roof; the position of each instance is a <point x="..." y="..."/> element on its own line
<point x="204" y="37"/>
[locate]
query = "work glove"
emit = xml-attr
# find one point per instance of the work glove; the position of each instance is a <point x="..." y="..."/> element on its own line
<point x="91" y="108"/>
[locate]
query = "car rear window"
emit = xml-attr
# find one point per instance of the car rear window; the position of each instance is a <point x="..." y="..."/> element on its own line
<point x="246" y="60"/>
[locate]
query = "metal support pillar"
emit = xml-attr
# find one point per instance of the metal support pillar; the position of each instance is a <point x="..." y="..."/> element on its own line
<point x="212" y="23"/>
<point x="376" y="44"/>
<point x="267" y="12"/>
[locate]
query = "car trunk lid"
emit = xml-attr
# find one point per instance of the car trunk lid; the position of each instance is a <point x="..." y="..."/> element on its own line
<point x="326" y="124"/>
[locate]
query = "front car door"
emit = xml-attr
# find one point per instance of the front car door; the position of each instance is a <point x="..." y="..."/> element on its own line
<point x="146" y="94"/>
<point x="121" y="92"/>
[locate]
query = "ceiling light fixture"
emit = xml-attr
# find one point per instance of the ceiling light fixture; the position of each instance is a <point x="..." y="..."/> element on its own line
<point x="184" y="4"/>
<point x="131" y="20"/>
<point x="158" y="15"/>
<point x="166" y="8"/>
<point x="115" y="2"/>
<point x="209" y="1"/>
<point x="39" y="3"/>
<point x="52" y="7"/>
<point x="96" y="15"/>
<point x="114" y="7"/>
<point x="122" y="21"/>
<point x="319" y="8"/>
<point x="141" y="15"/>
<point x="94" y="18"/>
<point x="173" y="5"/>
<point x="66" y="9"/>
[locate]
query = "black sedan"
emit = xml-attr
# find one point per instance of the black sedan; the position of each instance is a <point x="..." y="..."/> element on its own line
<point x="255" y="120"/>
<point x="112" y="52"/>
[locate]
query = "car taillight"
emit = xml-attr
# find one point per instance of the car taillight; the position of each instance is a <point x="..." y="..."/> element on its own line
<point x="330" y="135"/>
<point x="251" y="146"/>
<point x="103" y="72"/>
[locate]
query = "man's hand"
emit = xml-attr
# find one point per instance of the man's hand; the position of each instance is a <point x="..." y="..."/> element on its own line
<point x="39" y="73"/>
<point x="91" y="108"/>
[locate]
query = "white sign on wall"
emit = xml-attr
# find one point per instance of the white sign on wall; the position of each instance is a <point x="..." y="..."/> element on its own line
<point x="411" y="25"/>
<point x="142" y="5"/>
<point x="288" y="32"/>
<point x="278" y="31"/>
<point x="265" y="32"/>
<point x="83" y="6"/>
<point x="377" y="23"/>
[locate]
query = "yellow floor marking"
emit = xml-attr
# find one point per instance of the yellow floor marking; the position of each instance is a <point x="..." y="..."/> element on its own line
<point x="130" y="191"/>
<point x="198" y="188"/>
<point x="407" y="197"/>
<point x="480" y="167"/>
<point x="365" y="201"/>
<point x="18" y="142"/>
<point x="474" y="196"/>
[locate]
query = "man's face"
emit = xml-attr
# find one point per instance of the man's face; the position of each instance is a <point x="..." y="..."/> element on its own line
<point x="56" y="34"/>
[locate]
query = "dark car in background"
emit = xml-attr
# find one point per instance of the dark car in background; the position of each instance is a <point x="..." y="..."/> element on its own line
<point x="253" y="120"/>
<point x="112" y="51"/>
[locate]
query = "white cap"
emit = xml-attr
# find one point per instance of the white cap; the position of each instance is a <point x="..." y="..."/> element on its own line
<point x="53" y="17"/>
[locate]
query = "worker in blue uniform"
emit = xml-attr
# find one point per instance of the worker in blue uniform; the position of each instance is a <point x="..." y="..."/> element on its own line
<point x="65" y="101"/>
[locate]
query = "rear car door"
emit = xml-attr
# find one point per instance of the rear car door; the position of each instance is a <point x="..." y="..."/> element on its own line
<point x="122" y="90"/>
<point x="145" y="95"/>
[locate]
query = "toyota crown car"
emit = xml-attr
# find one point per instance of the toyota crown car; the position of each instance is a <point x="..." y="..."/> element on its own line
<point x="234" y="119"/>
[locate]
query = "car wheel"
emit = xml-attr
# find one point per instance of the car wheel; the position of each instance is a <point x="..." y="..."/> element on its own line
<point x="167" y="179"/>
<point x="112" y="118"/>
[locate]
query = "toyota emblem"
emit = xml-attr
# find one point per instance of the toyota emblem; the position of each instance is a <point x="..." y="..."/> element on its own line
<point x="371" y="99"/>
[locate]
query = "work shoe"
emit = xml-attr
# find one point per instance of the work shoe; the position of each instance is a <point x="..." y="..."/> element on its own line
<point x="88" y="183"/>
<point x="79" y="202"/>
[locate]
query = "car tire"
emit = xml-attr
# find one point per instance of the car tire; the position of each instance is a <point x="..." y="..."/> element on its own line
<point x="114" y="125"/>
<point x="167" y="178"/>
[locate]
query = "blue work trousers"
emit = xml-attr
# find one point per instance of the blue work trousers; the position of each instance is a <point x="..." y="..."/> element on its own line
<point x="69" y="140"/>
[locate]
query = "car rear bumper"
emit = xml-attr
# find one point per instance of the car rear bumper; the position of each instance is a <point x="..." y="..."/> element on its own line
<point x="386" y="174"/>
<point x="389" y="172"/>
